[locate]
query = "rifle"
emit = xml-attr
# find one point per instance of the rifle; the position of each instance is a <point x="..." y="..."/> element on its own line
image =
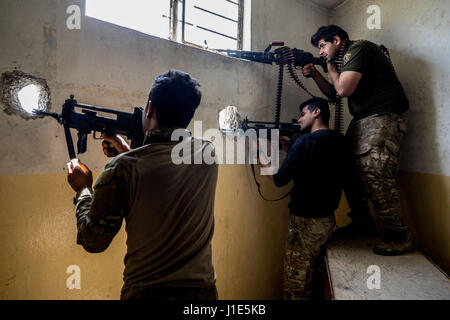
<point x="127" y="124"/>
<point x="286" y="129"/>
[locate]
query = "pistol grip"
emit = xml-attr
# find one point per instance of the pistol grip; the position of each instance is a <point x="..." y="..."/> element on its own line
<point x="82" y="143"/>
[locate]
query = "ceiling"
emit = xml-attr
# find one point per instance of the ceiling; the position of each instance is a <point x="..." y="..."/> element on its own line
<point x="329" y="4"/>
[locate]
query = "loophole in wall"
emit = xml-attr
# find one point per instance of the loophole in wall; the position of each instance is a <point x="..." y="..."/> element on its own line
<point x="21" y="93"/>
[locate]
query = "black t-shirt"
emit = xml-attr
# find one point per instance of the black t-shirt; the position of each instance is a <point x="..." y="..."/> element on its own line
<point x="379" y="89"/>
<point x="320" y="163"/>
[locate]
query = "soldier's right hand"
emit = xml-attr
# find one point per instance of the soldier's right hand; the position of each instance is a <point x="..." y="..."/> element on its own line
<point x="309" y="70"/>
<point x="117" y="141"/>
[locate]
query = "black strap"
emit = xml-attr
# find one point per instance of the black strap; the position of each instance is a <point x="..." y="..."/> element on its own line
<point x="259" y="187"/>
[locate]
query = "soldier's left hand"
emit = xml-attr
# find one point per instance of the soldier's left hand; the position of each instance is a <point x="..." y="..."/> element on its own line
<point x="79" y="176"/>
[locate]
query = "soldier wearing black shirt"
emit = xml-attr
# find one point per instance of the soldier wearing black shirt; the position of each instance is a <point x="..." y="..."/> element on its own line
<point x="320" y="162"/>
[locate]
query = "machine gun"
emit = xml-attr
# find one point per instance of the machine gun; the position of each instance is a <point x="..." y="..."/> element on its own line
<point x="291" y="59"/>
<point x="127" y="124"/>
<point x="301" y="58"/>
<point x="284" y="57"/>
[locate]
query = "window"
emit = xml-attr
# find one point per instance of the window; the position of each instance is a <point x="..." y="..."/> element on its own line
<point x="212" y="24"/>
<point x="147" y="16"/>
<point x="216" y="24"/>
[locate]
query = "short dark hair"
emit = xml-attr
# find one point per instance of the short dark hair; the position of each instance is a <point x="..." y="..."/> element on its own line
<point x="318" y="103"/>
<point x="327" y="33"/>
<point x="175" y="97"/>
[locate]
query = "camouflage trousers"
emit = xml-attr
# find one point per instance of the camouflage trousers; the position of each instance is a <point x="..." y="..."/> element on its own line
<point x="376" y="141"/>
<point x="307" y="238"/>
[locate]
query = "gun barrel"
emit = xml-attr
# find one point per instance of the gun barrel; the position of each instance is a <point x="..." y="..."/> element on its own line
<point x="262" y="57"/>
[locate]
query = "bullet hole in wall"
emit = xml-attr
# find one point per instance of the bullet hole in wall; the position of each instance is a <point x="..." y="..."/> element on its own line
<point x="21" y="93"/>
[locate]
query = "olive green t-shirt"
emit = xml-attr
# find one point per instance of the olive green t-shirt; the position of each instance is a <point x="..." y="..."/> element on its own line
<point x="379" y="89"/>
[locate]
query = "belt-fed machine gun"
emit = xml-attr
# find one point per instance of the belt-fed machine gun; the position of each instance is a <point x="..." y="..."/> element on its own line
<point x="127" y="124"/>
<point x="291" y="59"/>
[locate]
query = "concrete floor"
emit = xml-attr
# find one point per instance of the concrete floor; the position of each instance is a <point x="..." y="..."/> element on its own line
<point x="354" y="270"/>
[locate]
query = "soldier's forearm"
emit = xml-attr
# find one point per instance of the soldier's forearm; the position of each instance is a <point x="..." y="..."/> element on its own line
<point x="325" y="87"/>
<point x="94" y="236"/>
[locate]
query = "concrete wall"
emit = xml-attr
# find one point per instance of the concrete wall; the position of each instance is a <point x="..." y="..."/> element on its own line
<point x="291" y="21"/>
<point x="110" y="66"/>
<point x="416" y="34"/>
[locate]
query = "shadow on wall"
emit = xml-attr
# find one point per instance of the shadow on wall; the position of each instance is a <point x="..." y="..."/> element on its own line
<point x="421" y="141"/>
<point x="419" y="204"/>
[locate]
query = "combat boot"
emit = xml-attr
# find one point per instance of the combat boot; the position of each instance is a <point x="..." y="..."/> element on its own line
<point x="396" y="241"/>
<point x="361" y="225"/>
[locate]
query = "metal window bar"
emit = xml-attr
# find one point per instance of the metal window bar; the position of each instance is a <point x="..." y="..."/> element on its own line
<point x="233" y="2"/>
<point x="175" y="20"/>
<point x="240" y="33"/>
<point x="183" y="21"/>
<point x="215" y="14"/>
<point x="215" y="32"/>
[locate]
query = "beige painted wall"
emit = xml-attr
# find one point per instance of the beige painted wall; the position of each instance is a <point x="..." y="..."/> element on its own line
<point x="111" y="66"/>
<point x="416" y="34"/>
<point x="38" y="236"/>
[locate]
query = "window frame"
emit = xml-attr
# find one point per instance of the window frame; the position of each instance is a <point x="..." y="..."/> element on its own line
<point x="175" y="20"/>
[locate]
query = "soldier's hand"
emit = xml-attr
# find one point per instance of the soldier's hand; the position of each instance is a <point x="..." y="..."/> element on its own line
<point x="309" y="71"/>
<point x="284" y="143"/>
<point x="79" y="176"/>
<point x="117" y="142"/>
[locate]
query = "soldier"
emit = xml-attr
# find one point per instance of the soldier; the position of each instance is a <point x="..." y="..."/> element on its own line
<point x="319" y="162"/>
<point x="362" y="72"/>
<point x="168" y="208"/>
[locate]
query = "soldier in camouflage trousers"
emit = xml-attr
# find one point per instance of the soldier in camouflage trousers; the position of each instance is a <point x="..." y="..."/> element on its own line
<point x="376" y="141"/>
<point x="363" y="72"/>
<point x="306" y="243"/>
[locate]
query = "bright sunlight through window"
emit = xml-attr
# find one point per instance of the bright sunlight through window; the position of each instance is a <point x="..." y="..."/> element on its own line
<point x="203" y="23"/>
<point x="29" y="98"/>
<point x="142" y="15"/>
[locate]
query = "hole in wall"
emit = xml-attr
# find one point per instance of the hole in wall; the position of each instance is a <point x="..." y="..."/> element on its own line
<point x="29" y="97"/>
<point x="21" y="93"/>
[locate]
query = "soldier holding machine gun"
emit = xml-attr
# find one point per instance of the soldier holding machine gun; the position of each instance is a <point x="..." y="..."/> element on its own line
<point x="377" y="102"/>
